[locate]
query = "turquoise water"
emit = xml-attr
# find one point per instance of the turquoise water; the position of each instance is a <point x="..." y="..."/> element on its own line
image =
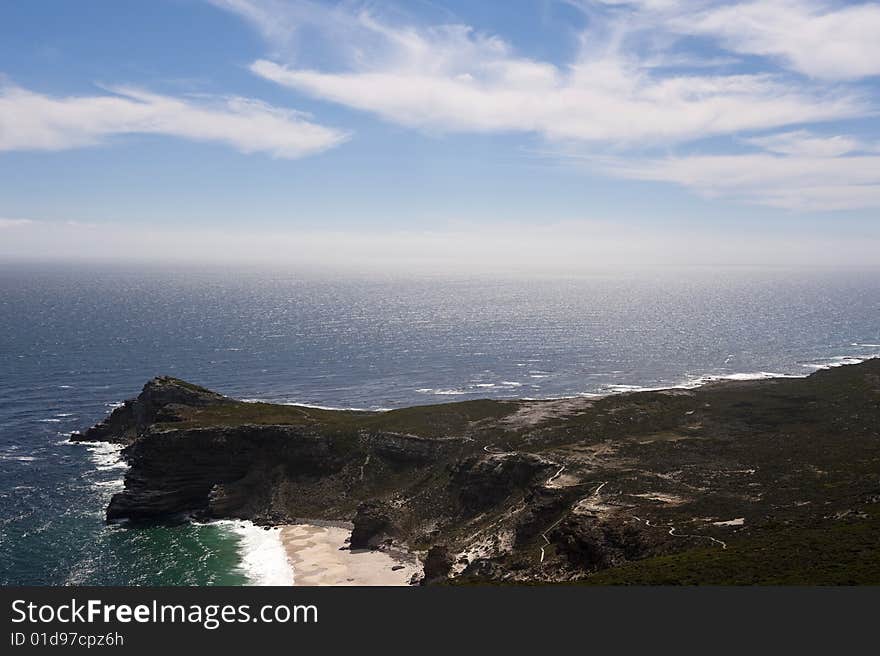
<point x="75" y="340"/>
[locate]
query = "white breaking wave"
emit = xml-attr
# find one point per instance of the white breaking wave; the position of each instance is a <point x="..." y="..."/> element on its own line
<point x="107" y="456"/>
<point x="697" y="381"/>
<point x="839" y="361"/>
<point x="630" y="388"/>
<point x="470" y="388"/>
<point x="692" y="381"/>
<point x="755" y="375"/>
<point x="111" y="487"/>
<point x="263" y="558"/>
<point x="316" y="407"/>
<point x="441" y="392"/>
<point x="504" y="384"/>
<point x="333" y="407"/>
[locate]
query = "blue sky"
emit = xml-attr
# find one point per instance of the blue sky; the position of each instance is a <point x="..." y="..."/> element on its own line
<point x="609" y="128"/>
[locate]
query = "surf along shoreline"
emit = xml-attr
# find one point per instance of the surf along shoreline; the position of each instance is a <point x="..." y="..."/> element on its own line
<point x="318" y="541"/>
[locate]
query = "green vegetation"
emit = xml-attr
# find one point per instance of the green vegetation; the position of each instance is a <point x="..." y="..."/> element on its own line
<point x="631" y="489"/>
<point x="186" y="385"/>
<point x="264" y="414"/>
<point x="442" y="420"/>
<point x="834" y="552"/>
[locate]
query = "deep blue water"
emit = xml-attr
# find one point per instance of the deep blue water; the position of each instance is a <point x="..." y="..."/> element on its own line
<point x="76" y="339"/>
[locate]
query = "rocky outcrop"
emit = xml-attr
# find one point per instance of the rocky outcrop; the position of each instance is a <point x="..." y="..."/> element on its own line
<point x="438" y="564"/>
<point x="484" y="495"/>
<point x="372" y="525"/>
<point x="218" y="472"/>
<point x="483" y="481"/>
<point x="157" y="402"/>
<point x="407" y="449"/>
<point x="595" y="544"/>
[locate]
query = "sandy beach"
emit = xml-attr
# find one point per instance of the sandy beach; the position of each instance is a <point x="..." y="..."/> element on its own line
<point x="316" y="557"/>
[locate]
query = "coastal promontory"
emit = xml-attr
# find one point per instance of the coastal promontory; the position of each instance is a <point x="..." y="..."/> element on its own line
<point x="734" y="482"/>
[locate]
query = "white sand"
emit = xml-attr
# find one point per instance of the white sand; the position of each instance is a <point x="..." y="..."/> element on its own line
<point x="739" y="521"/>
<point x="314" y="552"/>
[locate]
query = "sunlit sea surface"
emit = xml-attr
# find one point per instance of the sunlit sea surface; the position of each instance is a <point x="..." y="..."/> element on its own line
<point x="75" y="340"/>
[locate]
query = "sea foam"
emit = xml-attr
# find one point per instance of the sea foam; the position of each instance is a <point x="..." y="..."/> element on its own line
<point x="263" y="558"/>
<point x="108" y="458"/>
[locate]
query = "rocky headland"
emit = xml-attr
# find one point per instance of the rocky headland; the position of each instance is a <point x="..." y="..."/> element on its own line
<point x="750" y="482"/>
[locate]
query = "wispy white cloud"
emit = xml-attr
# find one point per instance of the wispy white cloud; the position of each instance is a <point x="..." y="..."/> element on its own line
<point x="280" y="22"/>
<point x="14" y="223"/>
<point x="628" y="87"/>
<point x="804" y="143"/>
<point x="818" y="38"/>
<point x="454" y="78"/>
<point x="825" y="39"/>
<point x="604" y="101"/>
<point x="34" y="121"/>
<point x="796" y="180"/>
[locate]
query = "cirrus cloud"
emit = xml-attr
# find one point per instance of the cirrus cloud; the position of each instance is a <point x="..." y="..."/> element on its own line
<point x="820" y="39"/>
<point x="34" y="121"/>
<point x="14" y="223"/>
<point x="608" y="101"/>
<point x="453" y="78"/>
<point x="794" y="180"/>
<point x="633" y="86"/>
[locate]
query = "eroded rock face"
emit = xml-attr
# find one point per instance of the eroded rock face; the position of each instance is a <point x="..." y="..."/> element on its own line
<point x="405" y="449"/>
<point x="591" y="544"/>
<point x="482" y="481"/>
<point x="438" y="564"/>
<point x="215" y="472"/>
<point x="372" y="525"/>
<point x="539" y="505"/>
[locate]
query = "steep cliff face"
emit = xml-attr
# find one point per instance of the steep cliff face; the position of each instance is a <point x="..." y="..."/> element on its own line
<point x="156" y="403"/>
<point x="218" y="472"/>
<point x="522" y="491"/>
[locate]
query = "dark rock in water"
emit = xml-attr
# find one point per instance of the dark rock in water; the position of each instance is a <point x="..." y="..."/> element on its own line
<point x="559" y="490"/>
<point x="396" y="568"/>
<point x="438" y="564"/>
<point x="372" y="525"/>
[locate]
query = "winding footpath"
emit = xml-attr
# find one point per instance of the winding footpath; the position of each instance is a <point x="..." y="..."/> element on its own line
<point x="550" y="480"/>
<point x="673" y="533"/>
<point x="558" y="521"/>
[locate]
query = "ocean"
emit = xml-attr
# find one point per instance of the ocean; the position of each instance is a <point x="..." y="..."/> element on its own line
<point x="77" y="339"/>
